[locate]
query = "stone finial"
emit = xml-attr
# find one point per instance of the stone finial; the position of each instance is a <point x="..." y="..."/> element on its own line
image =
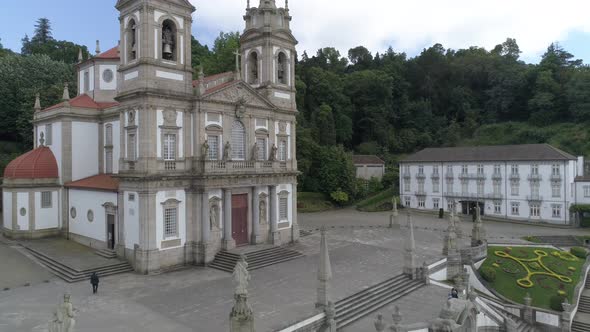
<point x="97" y="50"/>
<point x="324" y="273"/>
<point x="66" y="95"/>
<point x="380" y="323"/>
<point x="397" y="317"/>
<point x="42" y="139"/>
<point x="247" y="4"/>
<point x="80" y="56"/>
<point x="528" y="300"/>
<point x="286" y="4"/>
<point x="394" y="208"/>
<point x="37" y="106"/>
<point x="410" y="267"/>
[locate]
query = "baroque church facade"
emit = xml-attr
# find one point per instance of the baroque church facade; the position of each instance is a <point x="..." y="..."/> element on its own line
<point x="163" y="169"/>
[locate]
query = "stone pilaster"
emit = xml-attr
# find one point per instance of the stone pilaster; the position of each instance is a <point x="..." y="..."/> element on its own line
<point x="228" y="240"/>
<point x="454" y="264"/>
<point x="147" y="255"/>
<point x="256" y="238"/>
<point x="566" y="316"/>
<point x="324" y="274"/>
<point x="295" y="223"/>
<point x="275" y="237"/>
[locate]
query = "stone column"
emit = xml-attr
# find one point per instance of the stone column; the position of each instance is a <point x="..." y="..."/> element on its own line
<point x="228" y="240"/>
<point x="566" y="316"/>
<point x="147" y="255"/>
<point x="256" y="239"/>
<point x="275" y="237"/>
<point x="527" y="314"/>
<point x="410" y="266"/>
<point x="205" y="227"/>
<point x="295" y="223"/>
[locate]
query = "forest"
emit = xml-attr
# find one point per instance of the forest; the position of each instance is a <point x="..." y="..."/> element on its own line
<point x="387" y="104"/>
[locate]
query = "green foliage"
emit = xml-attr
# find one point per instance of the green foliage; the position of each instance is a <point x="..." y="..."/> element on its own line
<point x="313" y="202"/>
<point x="488" y="273"/>
<point x="44" y="43"/>
<point x="580" y="208"/>
<point x="339" y="197"/>
<point x="221" y="57"/>
<point x="579" y="252"/>
<point x="375" y="185"/>
<point x="556" y="301"/>
<point x="379" y="202"/>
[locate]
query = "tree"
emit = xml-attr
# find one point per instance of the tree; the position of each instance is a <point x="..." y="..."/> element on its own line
<point x="325" y="122"/>
<point x="578" y="94"/>
<point x="43" y="33"/>
<point x="221" y="58"/>
<point x="360" y="57"/>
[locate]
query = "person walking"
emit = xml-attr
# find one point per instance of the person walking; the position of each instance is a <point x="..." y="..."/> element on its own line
<point x="94" y="281"/>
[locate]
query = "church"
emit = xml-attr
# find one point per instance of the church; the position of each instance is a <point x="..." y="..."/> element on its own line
<point x="162" y="169"/>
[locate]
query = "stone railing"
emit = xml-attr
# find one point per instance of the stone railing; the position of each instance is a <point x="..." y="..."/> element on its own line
<point x="534" y="198"/>
<point x="243" y="166"/>
<point x="535" y="177"/>
<point x="474" y="195"/>
<point x="555" y="177"/>
<point x="497" y="176"/>
<point x="310" y="324"/>
<point x="474" y="254"/>
<point x="475" y="176"/>
<point x="577" y="294"/>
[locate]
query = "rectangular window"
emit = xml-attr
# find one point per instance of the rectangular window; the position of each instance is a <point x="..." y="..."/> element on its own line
<point x="556" y="208"/>
<point x="108" y="161"/>
<point x="464" y="187"/>
<point x="420" y="169"/>
<point x="435" y="186"/>
<point x="407" y="201"/>
<point x="48" y="134"/>
<point x="450" y="169"/>
<point x="170" y="222"/>
<point x="435" y="170"/>
<point x="480" y="187"/>
<point x="464" y="169"/>
<point x="283" y="208"/>
<point x="421" y="185"/>
<point x="407" y="169"/>
<point x="479" y="169"/>
<point x="131" y="197"/>
<point x="586" y="191"/>
<point x="109" y="135"/>
<point x="435" y="203"/>
<point x="497" y="169"/>
<point x="407" y="184"/>
<point x="261" y="146"/>
<point x="46" y="199"/>
<point x="421" y="202"/>
<point x="283" y="150"/>
<point x="497" y="207"/>
<point x="555" y="189"/>
<point x="515" y="208"/>
<point x="535" y="169"/>
<point x="514" y="169"/>
<point x="450" y="185"/>
<point x="535" y="189"/>
<point x="497" y="187"/>
<point x="514" y="186"/>
<point x="555" y="169"/>
<point x="213" y="142"/>
<point x="169" y="148"/>
<point x="534" y="210"/>
<point x="449" y="205"/>
<point x="131" y="149"/>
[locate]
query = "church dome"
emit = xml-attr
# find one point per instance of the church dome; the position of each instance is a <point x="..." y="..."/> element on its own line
<point x="39" y="163"/>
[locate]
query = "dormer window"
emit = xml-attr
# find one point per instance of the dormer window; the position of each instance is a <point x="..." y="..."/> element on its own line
<point x="132" y="41"/>
<point x="282" y="68"/>
<point x="169" y="41"/>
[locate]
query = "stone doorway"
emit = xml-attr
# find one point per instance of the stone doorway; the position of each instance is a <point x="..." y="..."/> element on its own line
<point x="239" y="216"/>
<point x="110" y="231"/>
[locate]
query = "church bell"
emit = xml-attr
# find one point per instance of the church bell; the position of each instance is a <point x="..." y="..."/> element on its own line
<point x="167" y="49"/>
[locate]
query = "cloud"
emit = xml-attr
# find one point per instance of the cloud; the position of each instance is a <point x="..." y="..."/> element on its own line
<point x="409" y="26"/>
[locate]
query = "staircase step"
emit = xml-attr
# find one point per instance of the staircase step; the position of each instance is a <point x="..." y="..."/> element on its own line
<point x="372" y="289"/>
<point x="106" y="253"/>
<point x="368" y="298"/>
<point x="226" y="261"/>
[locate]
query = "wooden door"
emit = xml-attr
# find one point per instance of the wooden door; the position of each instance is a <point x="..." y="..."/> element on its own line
<point x="111" y="231"/>
<point x="239" y="216"/>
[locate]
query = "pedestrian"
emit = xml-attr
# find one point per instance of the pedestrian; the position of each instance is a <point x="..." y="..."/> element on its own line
<point x="454" y="293"/>
<point x="94" y="281"/>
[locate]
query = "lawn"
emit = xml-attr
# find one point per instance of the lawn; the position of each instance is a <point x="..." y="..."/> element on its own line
<point x="313" y="202"/>
<point x="377" y="203"/>
<point x="541" y="272"/>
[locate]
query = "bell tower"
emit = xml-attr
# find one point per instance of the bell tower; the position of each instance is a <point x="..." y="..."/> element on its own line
<point x="268" y="52"/>
<point x="155" y="46"/>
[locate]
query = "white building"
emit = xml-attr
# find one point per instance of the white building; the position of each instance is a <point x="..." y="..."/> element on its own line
<point x="532" y="182"/>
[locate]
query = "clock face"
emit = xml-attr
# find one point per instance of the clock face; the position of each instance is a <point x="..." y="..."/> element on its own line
<point x="108" y="75"/>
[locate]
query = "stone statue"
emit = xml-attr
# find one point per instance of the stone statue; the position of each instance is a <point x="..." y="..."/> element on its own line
<point x="63" y="318"/>
<point x="227" y="152"/>
<point x="273" y="153"/>
<point x="255" y="150"/>
<point x="380" y="324"/>
<point x="214" y="217"/>
<point x="205" y="150"/>
<point x="262" y="212"/>
<point x="241" y="277"/>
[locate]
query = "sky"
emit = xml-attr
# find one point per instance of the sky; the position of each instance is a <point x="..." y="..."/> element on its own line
<point x="408" y="26"/>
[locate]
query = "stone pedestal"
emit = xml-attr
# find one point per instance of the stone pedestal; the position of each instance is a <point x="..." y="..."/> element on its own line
<point x="241" y="317"/>
<point x="147" y="261"/>
<point x="454" y="265"/>
<point x="295" y="232"/>
<point x="527" y="314"/>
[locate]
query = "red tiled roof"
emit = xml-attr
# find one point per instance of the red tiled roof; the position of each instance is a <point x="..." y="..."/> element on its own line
<point x="367" y="160"/>
<point x="113" y="53"/>
<point x="98" y="182"/>
<point x="36" y="164"/>
<point x="84" y="101"/>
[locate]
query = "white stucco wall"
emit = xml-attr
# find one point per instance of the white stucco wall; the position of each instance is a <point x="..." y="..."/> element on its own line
<point x="84" y="200"/>
<point x="161" y="197"/>
<point x="84" y="150"/>
<point x="22" y="201"/>
<point x="579" y="193"/>
<point x="104" y="85"/>
<point x="116" y="145"/>
<point x="179" y="137"/>
<point x="56" y="144"/>
<point x="7" y="209"/>
<point x="131" y="221"/>
<point x="288" y="188"/>
<point x="47" y="217"/>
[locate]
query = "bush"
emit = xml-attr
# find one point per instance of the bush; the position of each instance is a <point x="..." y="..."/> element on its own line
<point x="555" y="302"/>
<point x="339" y="197"/>
<point x="375" y="185"/>
<point x="488" y="273"/>
<point x="579" y="252"/>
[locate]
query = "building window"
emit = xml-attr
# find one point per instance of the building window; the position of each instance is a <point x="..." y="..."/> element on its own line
<point x="261" y="148"/>
<point x="131" y="197"/>
<point x="535" y="169"/>
<point x="555" y="169"/>
<point x="450" y="185"/>
<point x="534" y="210"/>
<point x="464" y="187"/>
<point x="421" y="186"/>
<point x="586" y="191"/>
<point x="480" y="187"/>
<point x="407" y="169"/>
<point x="420" y="169"/>
<point x="46" y="197"/>
<point x="86" y="81"/>
<point x="479" y="169"/>
<point x="449" y="205"/>
<point x="131" y="147"/>
<point x="435" y="186"/>
<point x="407" y="185"/>
<point x="169" y="40"/>
<point x="48" y="134"/>
<point x="238" y="141"/>
<point x="514" y="169"/>
<point x="449" y="169"/>
<point x="515" y="208"/>
<point x="497" y="207"/>
<point x="464" y="169"/>
<point x="497" y="187"/>
<point x="497" y="169"/>
<point x="283" y="150"/>
<point x="108" y="135"/>
<point x="556" y="189"/>
<point x="535" y="189"/>
<point x="408" y="201"/>
<point x="514" y="188"/>
<point x="421" y="202"/>
<point x="213" y="142"/>
<point x="556" y="208"/>
<point x="169" y="148"/>
<point x="435" y="203"/>
<point x="108" y="161"/>
<point x="435" y="170"/>
<point x="282" y="68"/>
<point x="283" y="208"/>
<point x="170" y="222"/>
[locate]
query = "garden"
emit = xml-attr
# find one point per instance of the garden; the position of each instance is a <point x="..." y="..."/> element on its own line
<point x="548" y="275"/>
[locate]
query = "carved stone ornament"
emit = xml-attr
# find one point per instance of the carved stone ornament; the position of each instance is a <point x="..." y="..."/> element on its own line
<point x="240" y="109"/>
<point x="170" y="118"/>
<point x="283" y="127"/>
<point x="131" y="118"/>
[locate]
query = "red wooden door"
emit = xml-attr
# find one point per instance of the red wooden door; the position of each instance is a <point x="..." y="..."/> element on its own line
<point x="239" y="219"/>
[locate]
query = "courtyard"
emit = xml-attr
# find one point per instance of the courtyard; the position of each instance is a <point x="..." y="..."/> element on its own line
<point x="363" y="252"/>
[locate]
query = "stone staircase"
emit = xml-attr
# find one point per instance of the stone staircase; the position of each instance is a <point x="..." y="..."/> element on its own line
<point x="581" y="321"/>
<point x="226" y="261"/>
<point x="369" y="300"/>
<point x="560" y="241"/>
<point x="71" y="275"/>
<point x="521" y="325"/>
<point x="106" y="253"/>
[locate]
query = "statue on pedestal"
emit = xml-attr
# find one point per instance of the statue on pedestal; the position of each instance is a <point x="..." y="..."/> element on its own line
<point x="273" y="153"/>
<point x="227" y="152"/>
<point x="205" y="150"/>
<point x="63" y="317"/>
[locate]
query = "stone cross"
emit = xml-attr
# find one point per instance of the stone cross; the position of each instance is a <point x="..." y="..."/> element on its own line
<point x="324" y="273"/>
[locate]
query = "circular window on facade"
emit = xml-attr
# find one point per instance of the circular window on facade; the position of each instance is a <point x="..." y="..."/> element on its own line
<point x="108" y="75"/>
<point x="23" y="212"/>
<point x="73" y="213"/>
<point x="90" y="215"/>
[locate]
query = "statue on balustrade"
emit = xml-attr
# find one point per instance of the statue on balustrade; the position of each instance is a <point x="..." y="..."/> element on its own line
<point x="227" y="152"/>
<point x="273" y="153"/>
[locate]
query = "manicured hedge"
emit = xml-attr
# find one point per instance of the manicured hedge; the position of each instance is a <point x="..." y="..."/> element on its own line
<point x="488" y="273"/>
<point x="555" y="302"/>
<point x="579" y="252"/>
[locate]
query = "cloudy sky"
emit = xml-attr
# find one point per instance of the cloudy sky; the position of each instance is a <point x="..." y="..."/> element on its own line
<point x="408" y="26"/>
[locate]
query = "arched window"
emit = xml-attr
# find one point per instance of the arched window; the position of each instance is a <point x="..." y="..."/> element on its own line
<point x="132" y="40"/>
<point x="253" y="68"/>
<point x="109" y="134"/>
<point x="169" y="40"/>
<point x="282" y="68"/>
<point x="238" y="141"/>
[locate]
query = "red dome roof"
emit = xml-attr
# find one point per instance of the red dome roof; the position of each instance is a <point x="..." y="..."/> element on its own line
<point x="37" y="164"/>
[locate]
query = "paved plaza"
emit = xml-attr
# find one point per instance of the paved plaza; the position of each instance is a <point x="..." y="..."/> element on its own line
<point x="200" y="299"/>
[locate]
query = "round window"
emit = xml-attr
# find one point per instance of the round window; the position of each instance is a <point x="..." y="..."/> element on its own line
<point x="73" y="212"/>
<point x="90" y="215"/>
<point x="108" y="75"/>
<point x="23" y="212"/>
